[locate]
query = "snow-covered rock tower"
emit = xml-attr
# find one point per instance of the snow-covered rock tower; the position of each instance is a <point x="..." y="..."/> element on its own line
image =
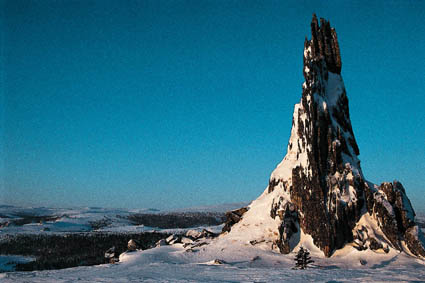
<point x="319" y="190"/>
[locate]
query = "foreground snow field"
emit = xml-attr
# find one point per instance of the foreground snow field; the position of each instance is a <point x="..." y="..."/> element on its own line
<point x="174" y="264"/>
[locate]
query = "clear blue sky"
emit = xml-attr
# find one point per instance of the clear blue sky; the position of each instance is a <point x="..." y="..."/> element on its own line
<point x="173" y="104"/>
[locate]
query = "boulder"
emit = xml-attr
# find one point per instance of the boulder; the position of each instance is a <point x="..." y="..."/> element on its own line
<point x="186" y="240"/>
<point x="193" y="234"/>
<point x="132" y="245"/>
<point x="208" y="234"/>
<point x="219" y="261"/>
<point x="111" y="256"/>
<point x="172" y="239"/>
<point x="161" y="243"/>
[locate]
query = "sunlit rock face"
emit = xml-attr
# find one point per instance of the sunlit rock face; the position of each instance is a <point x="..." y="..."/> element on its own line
<point x="319" y="187"/>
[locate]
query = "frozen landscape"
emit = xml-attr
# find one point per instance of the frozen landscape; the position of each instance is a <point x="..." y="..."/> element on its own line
<point x="173" y="263"/>
<point x="317" y="198"/>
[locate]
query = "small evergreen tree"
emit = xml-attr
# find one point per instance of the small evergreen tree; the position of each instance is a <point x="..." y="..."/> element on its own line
<point x="306" y="258"/>
<point x="299" y="259"/>
<point x="302" y="259"/>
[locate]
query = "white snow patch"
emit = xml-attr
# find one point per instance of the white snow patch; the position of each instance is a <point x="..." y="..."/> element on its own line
<point x="307" y="52"/>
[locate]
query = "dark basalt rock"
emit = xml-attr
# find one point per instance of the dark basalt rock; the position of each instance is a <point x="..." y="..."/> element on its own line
<point x="233" y="217"/>
<point x="383" y="212"/>
<point x="288" y="227"/>
<point x="325" y="44"/>
<point x="374" y="245"/>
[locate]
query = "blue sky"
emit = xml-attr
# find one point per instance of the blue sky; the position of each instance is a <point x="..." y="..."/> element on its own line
<point x="172" y="104"/>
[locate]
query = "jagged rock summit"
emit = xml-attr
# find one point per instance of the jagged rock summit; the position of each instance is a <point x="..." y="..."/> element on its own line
<point x="318" y="192"/>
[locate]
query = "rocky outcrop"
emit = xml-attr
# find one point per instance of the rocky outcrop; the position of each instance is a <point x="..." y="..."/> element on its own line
<point x="319" y="187"/>
<point x="233" y="217"/>
<point x="394" y="213"/>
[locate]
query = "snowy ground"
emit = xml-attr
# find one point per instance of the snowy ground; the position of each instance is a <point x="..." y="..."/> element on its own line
<point x="243" y="262"/>
<point x="173" y="264"/>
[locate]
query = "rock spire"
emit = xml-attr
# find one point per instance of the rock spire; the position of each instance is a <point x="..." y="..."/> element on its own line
<point x="318" y="190"/>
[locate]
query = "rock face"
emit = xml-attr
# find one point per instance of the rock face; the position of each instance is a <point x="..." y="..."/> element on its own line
<point x="233" y="217"/>
<point x="319" y="187"/>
